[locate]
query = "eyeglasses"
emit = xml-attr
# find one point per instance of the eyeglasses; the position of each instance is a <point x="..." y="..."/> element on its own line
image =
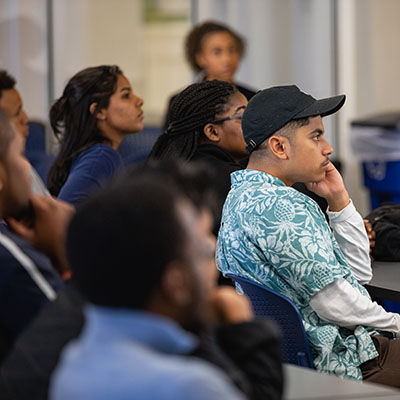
<point x="234" y="116"/>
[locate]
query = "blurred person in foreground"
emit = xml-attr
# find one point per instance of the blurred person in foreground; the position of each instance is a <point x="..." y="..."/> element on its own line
<point x="148" y="273"/>
<point x="28" y="278"/>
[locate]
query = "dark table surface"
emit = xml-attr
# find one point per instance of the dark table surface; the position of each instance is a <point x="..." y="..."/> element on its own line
<point x="385" y="284"/>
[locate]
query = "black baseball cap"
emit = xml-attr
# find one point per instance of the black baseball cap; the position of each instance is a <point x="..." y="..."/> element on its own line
<point x="271" y="109"/>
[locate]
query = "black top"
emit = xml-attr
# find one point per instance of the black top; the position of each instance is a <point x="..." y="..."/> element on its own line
<point x="221" y="165"/>
<point x="385" y="221"/>
<point x="38" y="348"/>
<point x="248" y="93"/>
<point x="27" y="282"/>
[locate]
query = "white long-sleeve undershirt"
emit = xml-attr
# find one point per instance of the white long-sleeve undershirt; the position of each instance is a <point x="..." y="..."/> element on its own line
<point x="339" y="302"/>
<point x="343" y="305"/>
<point x="349" y="230"/>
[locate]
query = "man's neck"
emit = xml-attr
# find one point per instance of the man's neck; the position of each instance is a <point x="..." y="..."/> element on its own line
<point x="270" y="169"/>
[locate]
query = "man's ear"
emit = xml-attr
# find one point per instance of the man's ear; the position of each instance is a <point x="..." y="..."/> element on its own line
<point x="175" y="284"/>
<point x="212" y="133"/>
<point x="100" y="115"/>
<point x="279" y="146"/>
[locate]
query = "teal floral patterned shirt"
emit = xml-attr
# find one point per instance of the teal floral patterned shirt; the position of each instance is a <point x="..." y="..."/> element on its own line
<point x="277" y="236"/>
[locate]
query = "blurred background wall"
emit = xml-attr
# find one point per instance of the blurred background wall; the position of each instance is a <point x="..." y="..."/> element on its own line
<point x="326" y="47"/>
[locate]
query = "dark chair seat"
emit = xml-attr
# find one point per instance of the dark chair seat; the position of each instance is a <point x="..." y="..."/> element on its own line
<point x="277" y="307"/>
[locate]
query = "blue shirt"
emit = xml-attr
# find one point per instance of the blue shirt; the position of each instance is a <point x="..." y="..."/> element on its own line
<point x="275" y="235"/>
<point x="126" y="354"/>
<point x="89" y="171"/>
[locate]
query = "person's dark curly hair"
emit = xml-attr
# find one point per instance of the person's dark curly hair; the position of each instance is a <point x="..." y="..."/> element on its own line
<point x="194" y="40"/>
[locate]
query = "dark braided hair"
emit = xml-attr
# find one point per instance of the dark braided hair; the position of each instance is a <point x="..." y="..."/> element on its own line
<point x="192" y="109"/>
<point x="73" y="123"/>
<point x="194" y="40"/>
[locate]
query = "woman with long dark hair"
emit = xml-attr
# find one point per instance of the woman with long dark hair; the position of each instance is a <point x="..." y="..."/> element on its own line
<point x="96" y="110"/>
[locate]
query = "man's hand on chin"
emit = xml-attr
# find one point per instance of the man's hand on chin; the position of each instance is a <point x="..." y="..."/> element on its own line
<point x="331" y="187"/>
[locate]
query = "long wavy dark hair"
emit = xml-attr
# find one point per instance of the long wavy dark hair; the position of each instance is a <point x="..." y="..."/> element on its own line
<point x="191" y="110"/>
<point x="73" y="123"/>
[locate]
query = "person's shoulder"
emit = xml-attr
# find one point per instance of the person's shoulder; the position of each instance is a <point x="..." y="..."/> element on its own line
<point x="213" y="154"/>
<point x="246" y="91"/>
<point x="15" y="252"/>
<point x="176" y="376"/>
<point x="257" y="193"/>
<point x="198" y="379"/>
<point x="99" y="155"/>
<point x="56" y="324"/>
<point x="100" y="149"/>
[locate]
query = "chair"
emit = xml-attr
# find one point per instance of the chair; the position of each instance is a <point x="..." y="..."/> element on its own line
<point x="268" y="303"/>
<point x="35" y="149"/>
<point x="134" y="149"/>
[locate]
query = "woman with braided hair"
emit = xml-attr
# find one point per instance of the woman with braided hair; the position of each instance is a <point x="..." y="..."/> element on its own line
<point x="97" y="109"/>
<point x="205" y="125"/>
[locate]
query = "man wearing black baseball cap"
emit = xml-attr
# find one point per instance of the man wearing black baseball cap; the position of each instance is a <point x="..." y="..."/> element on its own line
<point x="278" y="236"/>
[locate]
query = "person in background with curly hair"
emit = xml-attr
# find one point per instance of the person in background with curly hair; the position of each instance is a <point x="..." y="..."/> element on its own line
<point x="214" y="51"/>
<point x="97" y="109"/>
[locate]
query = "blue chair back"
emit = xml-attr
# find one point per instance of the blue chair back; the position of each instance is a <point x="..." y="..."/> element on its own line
<point x="35" y="149"/>
<point x="134" y="149"/>
<point x="268" y="303"/>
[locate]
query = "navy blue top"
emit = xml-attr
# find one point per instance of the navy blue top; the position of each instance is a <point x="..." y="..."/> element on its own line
<point x="27" y="282"/>
<point x="89" y="171"/>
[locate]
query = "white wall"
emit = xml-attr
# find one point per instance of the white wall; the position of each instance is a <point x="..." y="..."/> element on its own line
<point x="114" y="32"/>
<point x="23" y="51"/>
<point x="368" y="65"/>
<point x="95" y="32"/>
<point x="377" y="55"/>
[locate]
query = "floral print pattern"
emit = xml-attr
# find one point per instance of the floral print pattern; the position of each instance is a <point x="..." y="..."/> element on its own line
<point x="279" y="237"/>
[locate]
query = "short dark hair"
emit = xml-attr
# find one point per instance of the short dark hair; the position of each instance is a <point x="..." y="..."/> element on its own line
<point x="7" y="81"/>
<point x="194" y="40"/>
<point x="121" y="239"/>
<point x="194" y="180"/>
<point x="287" y="131"/>
<point x="6" y="134"/>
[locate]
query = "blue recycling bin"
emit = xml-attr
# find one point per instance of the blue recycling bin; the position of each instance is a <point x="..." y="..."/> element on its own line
<point x="376" y="143"/>
<point x="383" y="181"/>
